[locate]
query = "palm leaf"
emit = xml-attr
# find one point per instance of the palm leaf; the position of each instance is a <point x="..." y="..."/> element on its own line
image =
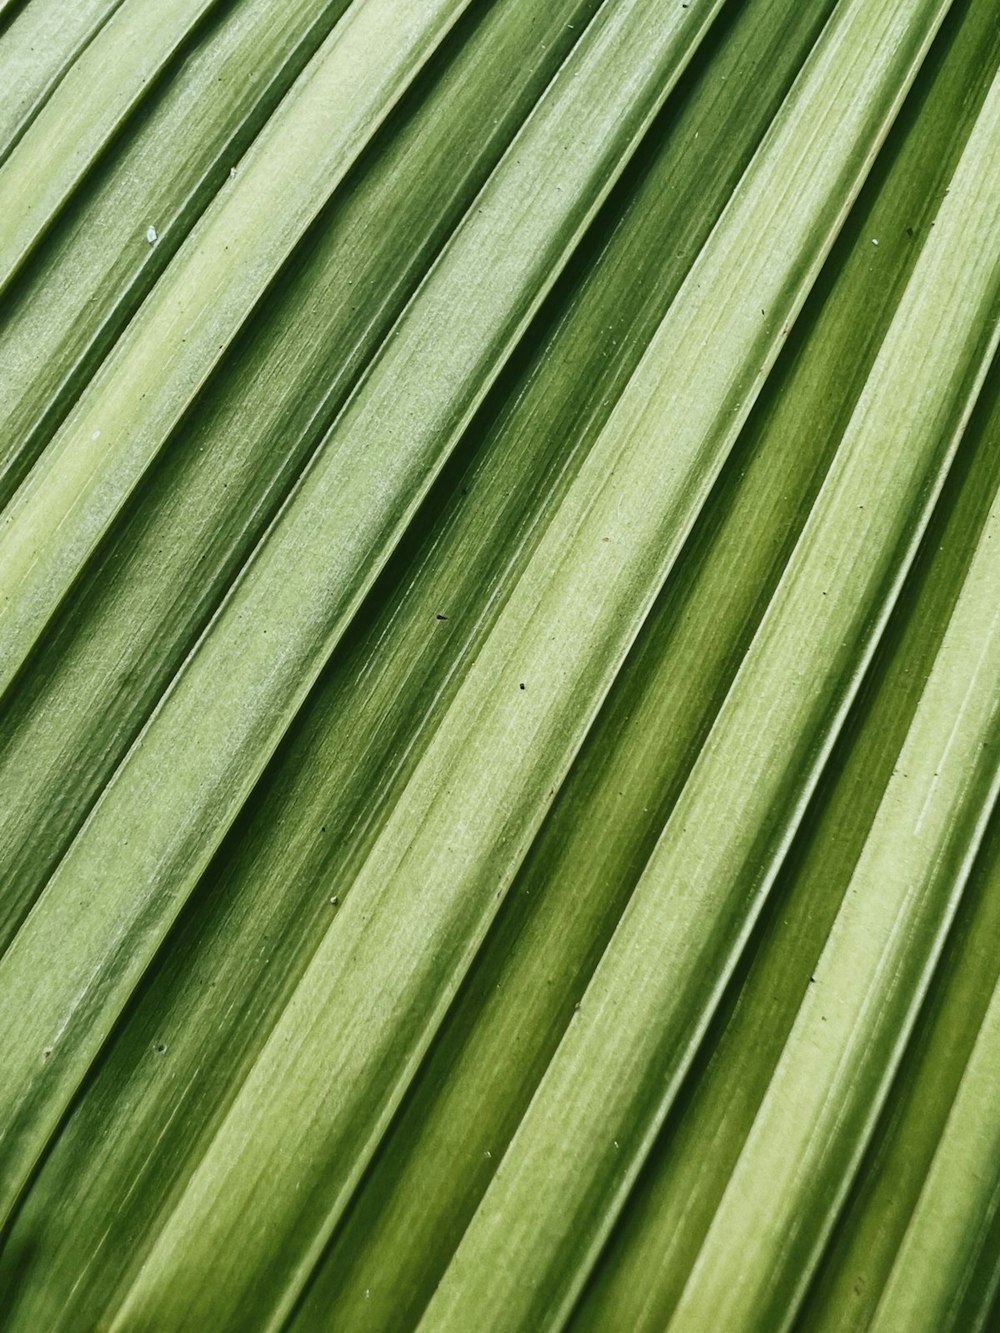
<point x="500" y="663"/>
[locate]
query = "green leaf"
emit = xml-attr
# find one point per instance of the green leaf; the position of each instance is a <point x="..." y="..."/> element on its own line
<point x="498" y="739"/>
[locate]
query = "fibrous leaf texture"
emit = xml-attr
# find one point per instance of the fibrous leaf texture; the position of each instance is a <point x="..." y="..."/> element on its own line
<point x="500" y="665"/>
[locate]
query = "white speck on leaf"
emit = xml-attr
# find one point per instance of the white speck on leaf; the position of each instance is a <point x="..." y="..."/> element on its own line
<point x="151" y="235"/>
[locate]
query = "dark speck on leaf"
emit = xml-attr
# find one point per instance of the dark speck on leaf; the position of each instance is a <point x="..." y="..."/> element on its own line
<point x="521" y="686"/>
<point x="439" y="616"/>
